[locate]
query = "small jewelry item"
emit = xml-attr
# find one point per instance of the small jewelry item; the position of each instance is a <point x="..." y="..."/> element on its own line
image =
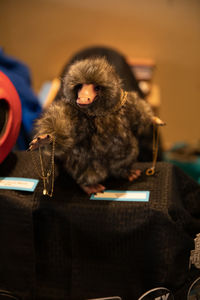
<point x="48" y="177"/>
<point x="151" y="171"/>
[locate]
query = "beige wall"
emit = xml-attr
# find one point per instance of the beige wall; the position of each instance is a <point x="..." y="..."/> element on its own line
<point x="45" y="33"/>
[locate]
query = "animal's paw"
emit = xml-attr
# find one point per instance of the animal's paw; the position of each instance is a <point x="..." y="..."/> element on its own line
<point x="134" y="174"/>
<point x="93" y="188"/>
<point x="158" y="121"/>
<point x="40" y="141"/>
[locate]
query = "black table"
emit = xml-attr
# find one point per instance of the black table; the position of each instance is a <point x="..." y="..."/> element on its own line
<point x="70" y="247"/>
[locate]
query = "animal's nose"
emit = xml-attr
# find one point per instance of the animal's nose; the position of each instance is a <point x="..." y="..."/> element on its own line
<point x="86" y="94"/>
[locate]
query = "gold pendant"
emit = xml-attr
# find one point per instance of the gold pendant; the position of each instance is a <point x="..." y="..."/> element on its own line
<point x="150" y="171"/>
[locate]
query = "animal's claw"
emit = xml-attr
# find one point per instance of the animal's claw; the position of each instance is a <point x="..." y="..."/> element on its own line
<point x="134" y="174"/>
<point x="158" y="121"/>
<point x="40" y="141"/>
<point x="93" y="188"/>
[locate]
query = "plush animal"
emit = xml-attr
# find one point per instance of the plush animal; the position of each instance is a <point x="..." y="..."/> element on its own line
<point x="95" y="125"/>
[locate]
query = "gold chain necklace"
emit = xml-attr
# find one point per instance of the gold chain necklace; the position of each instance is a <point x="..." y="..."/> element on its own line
<point x="151" y="171"/>
<point x="122" y="101"/>
<point x="48" y="178"/>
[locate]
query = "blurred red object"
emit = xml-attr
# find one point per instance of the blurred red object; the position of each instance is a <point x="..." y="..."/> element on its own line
<point x="10" y="116"/>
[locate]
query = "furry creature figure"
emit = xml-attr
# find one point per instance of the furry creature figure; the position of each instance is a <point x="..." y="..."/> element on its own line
<point x="95" y="125"/>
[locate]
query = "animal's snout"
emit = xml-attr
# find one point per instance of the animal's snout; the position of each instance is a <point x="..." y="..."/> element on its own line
<point x="86" y="94"/>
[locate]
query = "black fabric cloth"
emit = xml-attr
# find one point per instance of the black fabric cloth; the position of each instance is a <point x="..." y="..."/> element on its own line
<point x="69" y="247"/>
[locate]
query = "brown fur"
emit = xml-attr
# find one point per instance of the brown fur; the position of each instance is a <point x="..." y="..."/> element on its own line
<point x="97" y="141"/>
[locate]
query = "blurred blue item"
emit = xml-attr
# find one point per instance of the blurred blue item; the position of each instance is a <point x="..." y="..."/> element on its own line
<point x="187" y="157"/>
<point x="19" y="75"/>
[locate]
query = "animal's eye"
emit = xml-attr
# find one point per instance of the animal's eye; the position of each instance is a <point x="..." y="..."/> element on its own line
<point x="97" y="88"/>
<point x="78" y="87"/>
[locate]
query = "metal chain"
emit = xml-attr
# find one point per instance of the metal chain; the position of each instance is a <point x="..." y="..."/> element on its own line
<point x="50" y="171"/>
<point x="151" y="171"/>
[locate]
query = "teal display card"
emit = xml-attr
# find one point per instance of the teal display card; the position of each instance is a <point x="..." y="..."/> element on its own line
<point x="112" y="195"/>
<point x="18" y="183"/>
